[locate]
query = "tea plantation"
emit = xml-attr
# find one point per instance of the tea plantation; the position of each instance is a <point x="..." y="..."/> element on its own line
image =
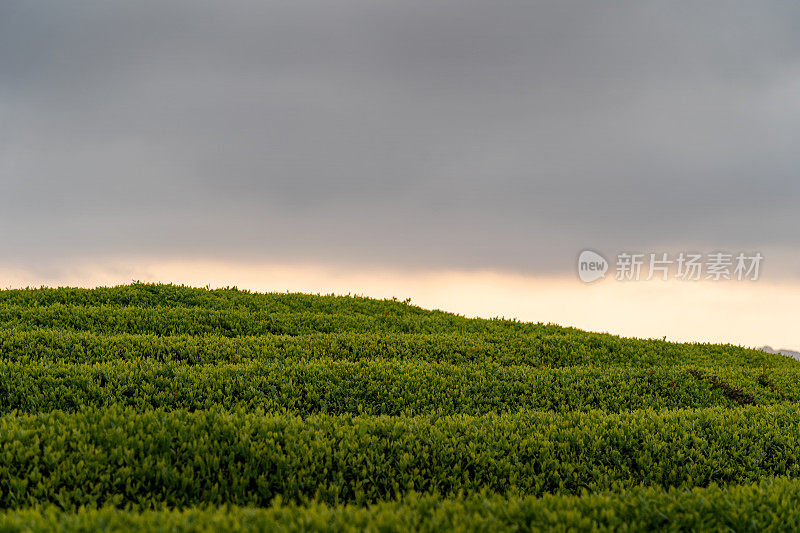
<point x="169" y="408"/>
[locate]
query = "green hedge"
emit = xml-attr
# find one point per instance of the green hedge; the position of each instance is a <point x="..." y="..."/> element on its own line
<point x="365" y="387"/>
<point x="156" y="459"/>
<point x="225" y="322"/>
<point x="169" y="310"/>
<point x="767" y="506"/>
<point x="22" y="345"/>
<point x="169" y="295"/>
<point x="148" y="399"/>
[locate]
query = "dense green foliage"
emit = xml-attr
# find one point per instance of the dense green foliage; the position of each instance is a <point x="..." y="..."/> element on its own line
<point x="360" y="413"/>
<point x="768" y="505"/>
<point x="179" y="458"/>
<point x="368" y="387"/>
<point x="546" y="348"/>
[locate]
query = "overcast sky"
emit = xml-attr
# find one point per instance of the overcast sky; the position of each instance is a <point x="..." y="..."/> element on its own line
<point x="460" y="135"/>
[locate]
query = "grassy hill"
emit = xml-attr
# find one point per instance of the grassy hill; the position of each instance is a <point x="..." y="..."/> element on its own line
<point x="168" y="408"/>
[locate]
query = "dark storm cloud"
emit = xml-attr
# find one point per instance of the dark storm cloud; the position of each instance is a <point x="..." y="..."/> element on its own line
<point x="428" y="134"/>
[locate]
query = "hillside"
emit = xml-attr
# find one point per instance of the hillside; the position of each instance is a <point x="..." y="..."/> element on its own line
<point x="168" y="407"/>
<point x="787" y="353"/>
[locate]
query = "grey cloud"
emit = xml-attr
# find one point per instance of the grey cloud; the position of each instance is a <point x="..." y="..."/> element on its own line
<point x="460" y="134"/>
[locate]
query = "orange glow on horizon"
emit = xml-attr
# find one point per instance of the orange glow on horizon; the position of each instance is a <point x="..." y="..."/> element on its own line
<point x="745" y="313"/>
